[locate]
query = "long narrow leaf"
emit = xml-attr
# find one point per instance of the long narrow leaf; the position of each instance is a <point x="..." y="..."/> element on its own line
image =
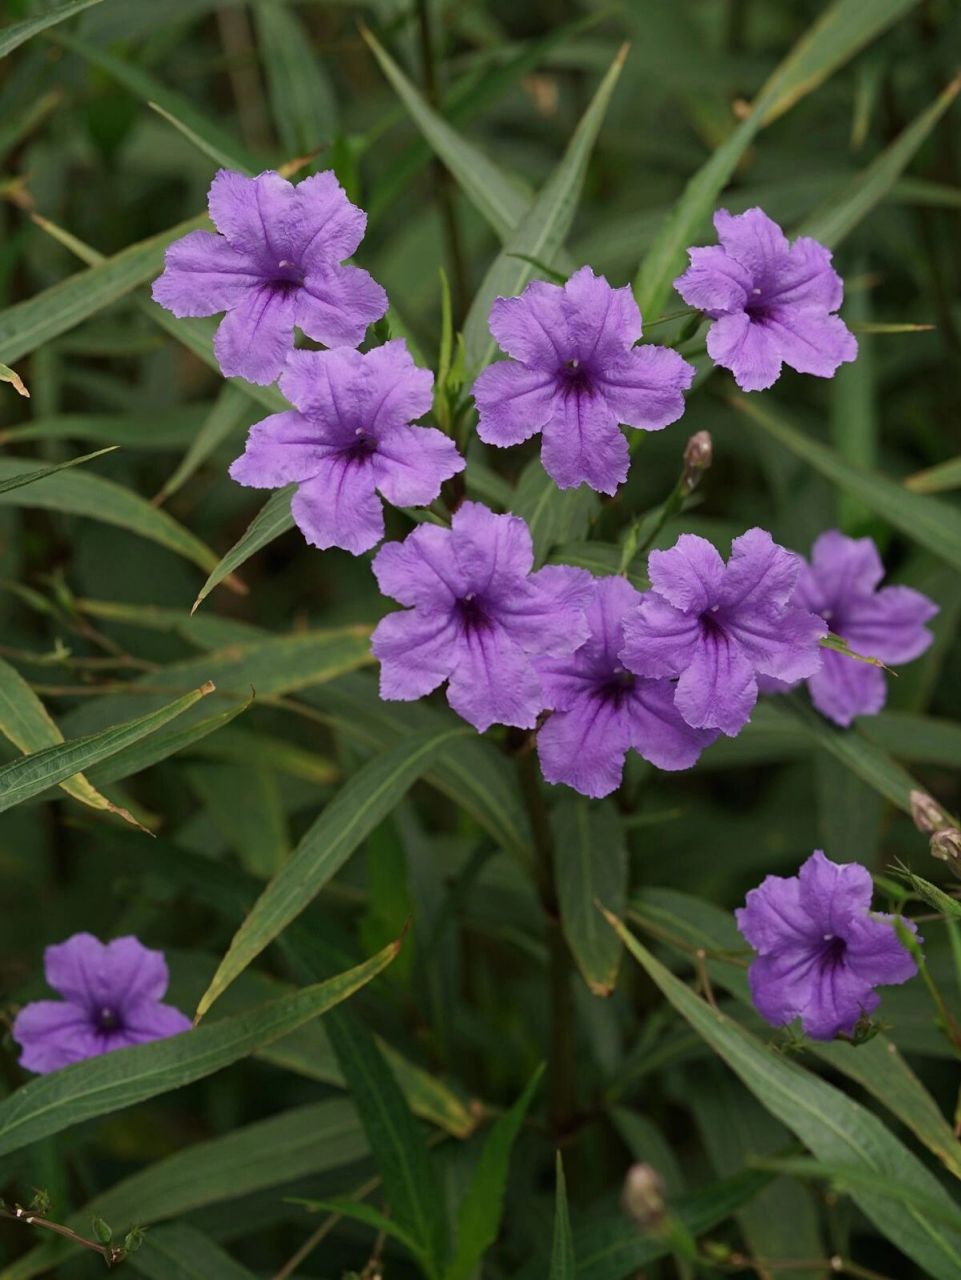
<point x="13" y="36"/>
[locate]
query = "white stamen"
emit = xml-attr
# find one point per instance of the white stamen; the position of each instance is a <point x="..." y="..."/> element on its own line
<point x="829" y="937"/>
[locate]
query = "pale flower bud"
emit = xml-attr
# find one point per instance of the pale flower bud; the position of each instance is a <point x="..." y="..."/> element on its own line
<point x="946" y="845"/>
<point x="927" y="813"/>
<point x="643" y="1196"/>
<point x="698" y="455"/>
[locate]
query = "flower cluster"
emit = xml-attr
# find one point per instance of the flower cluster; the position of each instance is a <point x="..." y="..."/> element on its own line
<point x="821" y="950"/>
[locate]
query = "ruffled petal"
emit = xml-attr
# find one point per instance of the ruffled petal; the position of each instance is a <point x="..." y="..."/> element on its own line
<point x="493" y="681"/>
<point x="492" y="551"/>
<point x="645" y="386"/>
<point x="780" y="643"/>
<point x="336" y="304"/>
<point x="890" y="624"/>
<point x="760" y="572"/>
<point x="259" y="216"/>
<point x="806" y="278"/>
<point x="411" y="463"/>
<point x="717" y="688"/>
<point x="329" y="227"/>
<point x="326" y="385"/>
<point x="774" y="917"/>
<point x="747" y="348"/>
<point x="754" y="240"/>
<point x="254" y="338"/>
<point x="204" y="274"/>
<point x="585" y="746"/>
<point x="844" y="688"/>
<point x="836" y="999"/>
<point x="54" y="1034"/>
<point x="339" y="507"/>
<point x="841" y="570"/>
<point x="809" y="341"/>
<point x="714" y="282"/>
<point x="658" y="732"/>
<point x="533" y="327"/>
<point x="875" y="953"/>
<point x="280" y="449"/>
<point x="544" y="613"/>
<point x="513" y="401"/>
<point x="690" y="575"/>
<point x="659" y="640"/>
<point x="394" y="391"/>
<point x="417" y="649"/>
<point x="149" y="1020"/>
<point x="421" y="570"/>
<point x="603" y="322"/>
<point x="110" y="975"/>
<point x="834" y="893"/>
<point x="582" y="444"/>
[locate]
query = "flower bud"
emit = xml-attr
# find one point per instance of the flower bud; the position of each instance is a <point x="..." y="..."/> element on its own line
<point x="946" y="845"/>
<point x="698" y="456"/>
<point x="927" y="814"/>
<point x="102" y="1230"/>
<point x="643" y="1196"/>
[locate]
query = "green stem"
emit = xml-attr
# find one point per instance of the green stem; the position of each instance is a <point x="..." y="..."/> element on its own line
<point x="561" y="1054"/>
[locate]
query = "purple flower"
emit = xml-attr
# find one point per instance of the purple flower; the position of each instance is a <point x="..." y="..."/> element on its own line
<point x="351" y="437"/>
<point x="770" y="302"/>
<point x="841" y="586"/>
<point x="111" y="1000"/>
<point x="602" y="710"/>
<point x="478" y="617"/>
<point x="575" y="376"/>
<point x="276" y="264"/>
<point x="718" y="627"/>
<point x="821" y="949"/>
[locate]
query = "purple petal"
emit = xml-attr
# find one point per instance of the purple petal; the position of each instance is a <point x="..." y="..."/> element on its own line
<point x="659" y="640"/>
<point x="149" y="1020"/>
<point x="809" y="341"/>
<point x="585" y="746"/>
<point x="254" y="338"/>
<point x="603" y="322"/>
<point x="845" y="688"/>
<point x="644" y="386"/>
<point x="828" y="998"/>
<point x="282" y="448"/>
<point x="533" y="327"/>
<point x="490" y="549"/>
<point x="566" y="679"/>
<point x="890" y="624"/>
<point x="421" y="570"/>
<point x="775" y="918"/>
<point x="717" y="688"/>
<point x="747" y="348"/>
<point x="544" y="614"/>
<point x="395" y="391"/>
<point x="411" y="464"/>
<point x="339" y="507"/>
<point x="833" y="893"/>
<point x="780" y="644"/>
<point x="690" y="575"/>
<point x="88" y="972"/>
<point x="806" y="278"/>
<point x="203" y="274"/>
<point x="513" y="402"/>
<point x="752" y="239"/>
<point x="582" y="443"/>
<point x="841" y="569"/>
<point x="54" y="1034"/>
<point x="258" y="216"/>
<point x="336" y="304"/>
<point x="493" y="681"/>
<point x="325" y="384"/>
<point x="875" y="952"/>
<point x="329" y="228"/>
<point x="759" y="572"/>
<point x="658" y="731"/>
<point x="417" y="650"/>
<point x="714" y="282"/>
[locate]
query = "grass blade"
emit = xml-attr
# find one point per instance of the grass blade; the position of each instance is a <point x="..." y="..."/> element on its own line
<point x="590" y="866"/>
<point x="18" y="33"/>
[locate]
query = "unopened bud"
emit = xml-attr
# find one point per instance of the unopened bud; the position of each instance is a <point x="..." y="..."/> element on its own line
<point x="133" y="1239"/>
<point x="946" y="845"/>
<point x="102" y="1230"/>
<point x="643" y="1196"/>
<point x="927" y="813"/>
<point x="698" y="456"/>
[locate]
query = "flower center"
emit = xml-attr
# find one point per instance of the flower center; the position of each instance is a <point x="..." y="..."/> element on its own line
<point x="472" y="612"/>
<point x="108" y="1019"/>
<point x="287" y="276"/>
<point x="362" y="446"/>
<point x="755" y="306"/>
<point x="575" y="376"/>
<point x="617" y="686"/>
<point x="833" y="951"/>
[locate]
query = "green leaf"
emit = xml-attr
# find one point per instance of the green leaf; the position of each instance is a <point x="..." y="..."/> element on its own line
<point x="836" y="1129"/>
<point x="365" y="799"/>
<point x="542" y="231"/>
<point x="34" y="773"/>
<point x="590" y="867"/>
<point x="502" y="202"/>
<point x="230" y="412"/>
<point x="54" y="1102"/>
<point x="396" y="1140"/>
<point x="945" y="476"/>
<point x="27" y="723"/>
<point x="79" y="494"/>
<point x="344" y="1207"/>
<point x="18" y="384"/>
<point x="845" y="210"/>
<point x="28" y="325"/>
<point x="553" y="515"/>
<point x="563" y="1262"/>
<point x="15" y="35"/>
<point x="220" y="145"/>
<point x="842" y="30"/>
<point x="271" y="521"/>
<point x="482" y="1207"/>
<point x="17" y="481"/>
<point x="143" y="755"/>
<point x="181" y="1252"/>
<point x="302" y="102"/>
<point x="933" y="524"/>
